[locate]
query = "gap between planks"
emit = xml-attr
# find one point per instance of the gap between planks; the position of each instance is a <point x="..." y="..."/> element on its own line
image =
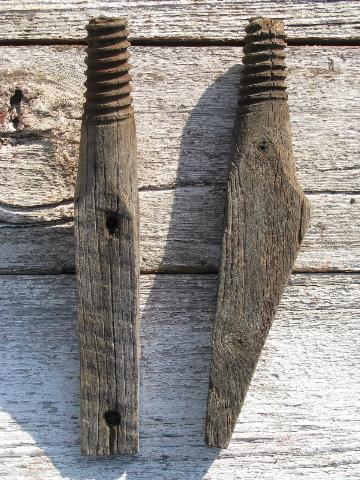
<point x="185" y="42"/>
<point x="11" y="207"/>
<point x="148" y="272"/>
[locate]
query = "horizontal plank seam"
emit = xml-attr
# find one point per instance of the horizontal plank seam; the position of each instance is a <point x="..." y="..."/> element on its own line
<point x="16" y="208"/>
<point x="184" y="272"/>
<point x="65" y="220"/>
<point x="43" y="206"/>
<point x="185" y="42"/>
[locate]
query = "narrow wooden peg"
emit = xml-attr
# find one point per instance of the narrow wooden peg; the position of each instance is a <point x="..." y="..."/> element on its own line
<point x="266" y="218"/>
<point x="107" y="247"/>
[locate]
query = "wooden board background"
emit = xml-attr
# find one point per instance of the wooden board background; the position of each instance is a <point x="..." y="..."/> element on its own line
<point x="301" y="418"/>
<point x="182" y="19"/>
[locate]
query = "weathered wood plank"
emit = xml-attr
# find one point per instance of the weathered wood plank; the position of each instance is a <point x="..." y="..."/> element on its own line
<point x="301" y="414"/>
<point x="185" y="100"/>
<point x="180" y="230"/>
<point x="266" y="217"/>
<point x="107" y="248"/>
<point x="178" y="144"/>
<point x="185" y="19"/>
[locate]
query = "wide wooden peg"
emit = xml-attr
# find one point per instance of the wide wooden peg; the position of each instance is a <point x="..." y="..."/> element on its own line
<point x="107" y="247"/>
<point x="266" y="217"/>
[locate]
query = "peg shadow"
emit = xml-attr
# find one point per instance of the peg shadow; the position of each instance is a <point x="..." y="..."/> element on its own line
<point x="39" y="358"/>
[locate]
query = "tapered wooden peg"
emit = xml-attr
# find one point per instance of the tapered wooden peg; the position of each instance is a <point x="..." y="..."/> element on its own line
<point x="107" y="247"/>
<point x="265" y="221"/>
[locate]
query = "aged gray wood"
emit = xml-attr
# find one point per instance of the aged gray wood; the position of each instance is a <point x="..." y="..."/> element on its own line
<point x="180" y="232"/>
<point x="265" y="221"/>
<point x="180" y="118"/>
<point x="185" y="101"/>
<point x="300" y="419"/>
<point x="107" y="249"/>
<point x="178" y="19"/>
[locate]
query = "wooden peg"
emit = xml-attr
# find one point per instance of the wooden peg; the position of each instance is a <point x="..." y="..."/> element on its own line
<point x="107" y="247"/>
<point x="266" y="217"/>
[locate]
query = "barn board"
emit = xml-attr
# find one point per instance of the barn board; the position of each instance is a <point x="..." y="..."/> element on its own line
<point x="300" y="418"/>
<point x="185" y="101"/>
<point x="180" y="231"/>
<point x="184" y="19"/>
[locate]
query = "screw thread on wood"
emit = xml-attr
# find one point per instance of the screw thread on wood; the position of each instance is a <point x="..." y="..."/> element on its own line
<point x="107" y="86"/>
<point x="264" y="71"/>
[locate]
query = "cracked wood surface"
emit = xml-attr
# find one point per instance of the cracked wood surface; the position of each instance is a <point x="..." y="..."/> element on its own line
<point x="107" y="248"/>
<point x="301" y="414"/>
<point x="183" y="139"/>
<point x="185" y="102"/>
<point x="266" y="218"/>
<point x="184" y="19"/>
<point x="180" y="231"/>
<point x="300" y="417"/>
<point x="107" y="266"/>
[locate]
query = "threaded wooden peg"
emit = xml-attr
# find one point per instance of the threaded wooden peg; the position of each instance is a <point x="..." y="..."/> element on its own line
<point x="265" y="221"/>
<point x="107" y="76"/>
<point x="107" y="247"/>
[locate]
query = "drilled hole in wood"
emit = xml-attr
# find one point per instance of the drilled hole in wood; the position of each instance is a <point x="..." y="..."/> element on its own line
<point x="112" y="223"/>
<point x="112" y="418"/>
<point x="263" y="145"/>
<point x="16" y="122"/>
<point x="16" y="99"/>
<point x="17" y="102"/>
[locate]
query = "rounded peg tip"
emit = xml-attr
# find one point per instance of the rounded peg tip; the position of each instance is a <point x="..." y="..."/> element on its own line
<point x="106" y="22"/>
<point x="263" y="25"/>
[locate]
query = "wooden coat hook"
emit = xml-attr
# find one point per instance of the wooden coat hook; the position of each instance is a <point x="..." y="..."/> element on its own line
<point x="266" y="217"/>
<point x="107" y="247"/>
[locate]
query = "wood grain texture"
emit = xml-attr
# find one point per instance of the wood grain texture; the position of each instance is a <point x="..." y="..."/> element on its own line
<point x="300" y="418"/>
<point x="185" y="101"/>
<point x="266" y="217"/>
<point x="107" y="249"/>
<point x="178" y="19"/>
<point x="301" y="415"/>
<point x="180" y="231"/>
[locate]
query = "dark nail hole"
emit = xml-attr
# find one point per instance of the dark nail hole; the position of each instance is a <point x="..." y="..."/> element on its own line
<point x="66" y="269"/>
<point x="16" y="122"/>
<point x="112" y="418"/>
<point x="352" y="201"/>
<point x="112" y="223"/>
<point x="16" y="99"/>
<point x="263" y="145"/>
